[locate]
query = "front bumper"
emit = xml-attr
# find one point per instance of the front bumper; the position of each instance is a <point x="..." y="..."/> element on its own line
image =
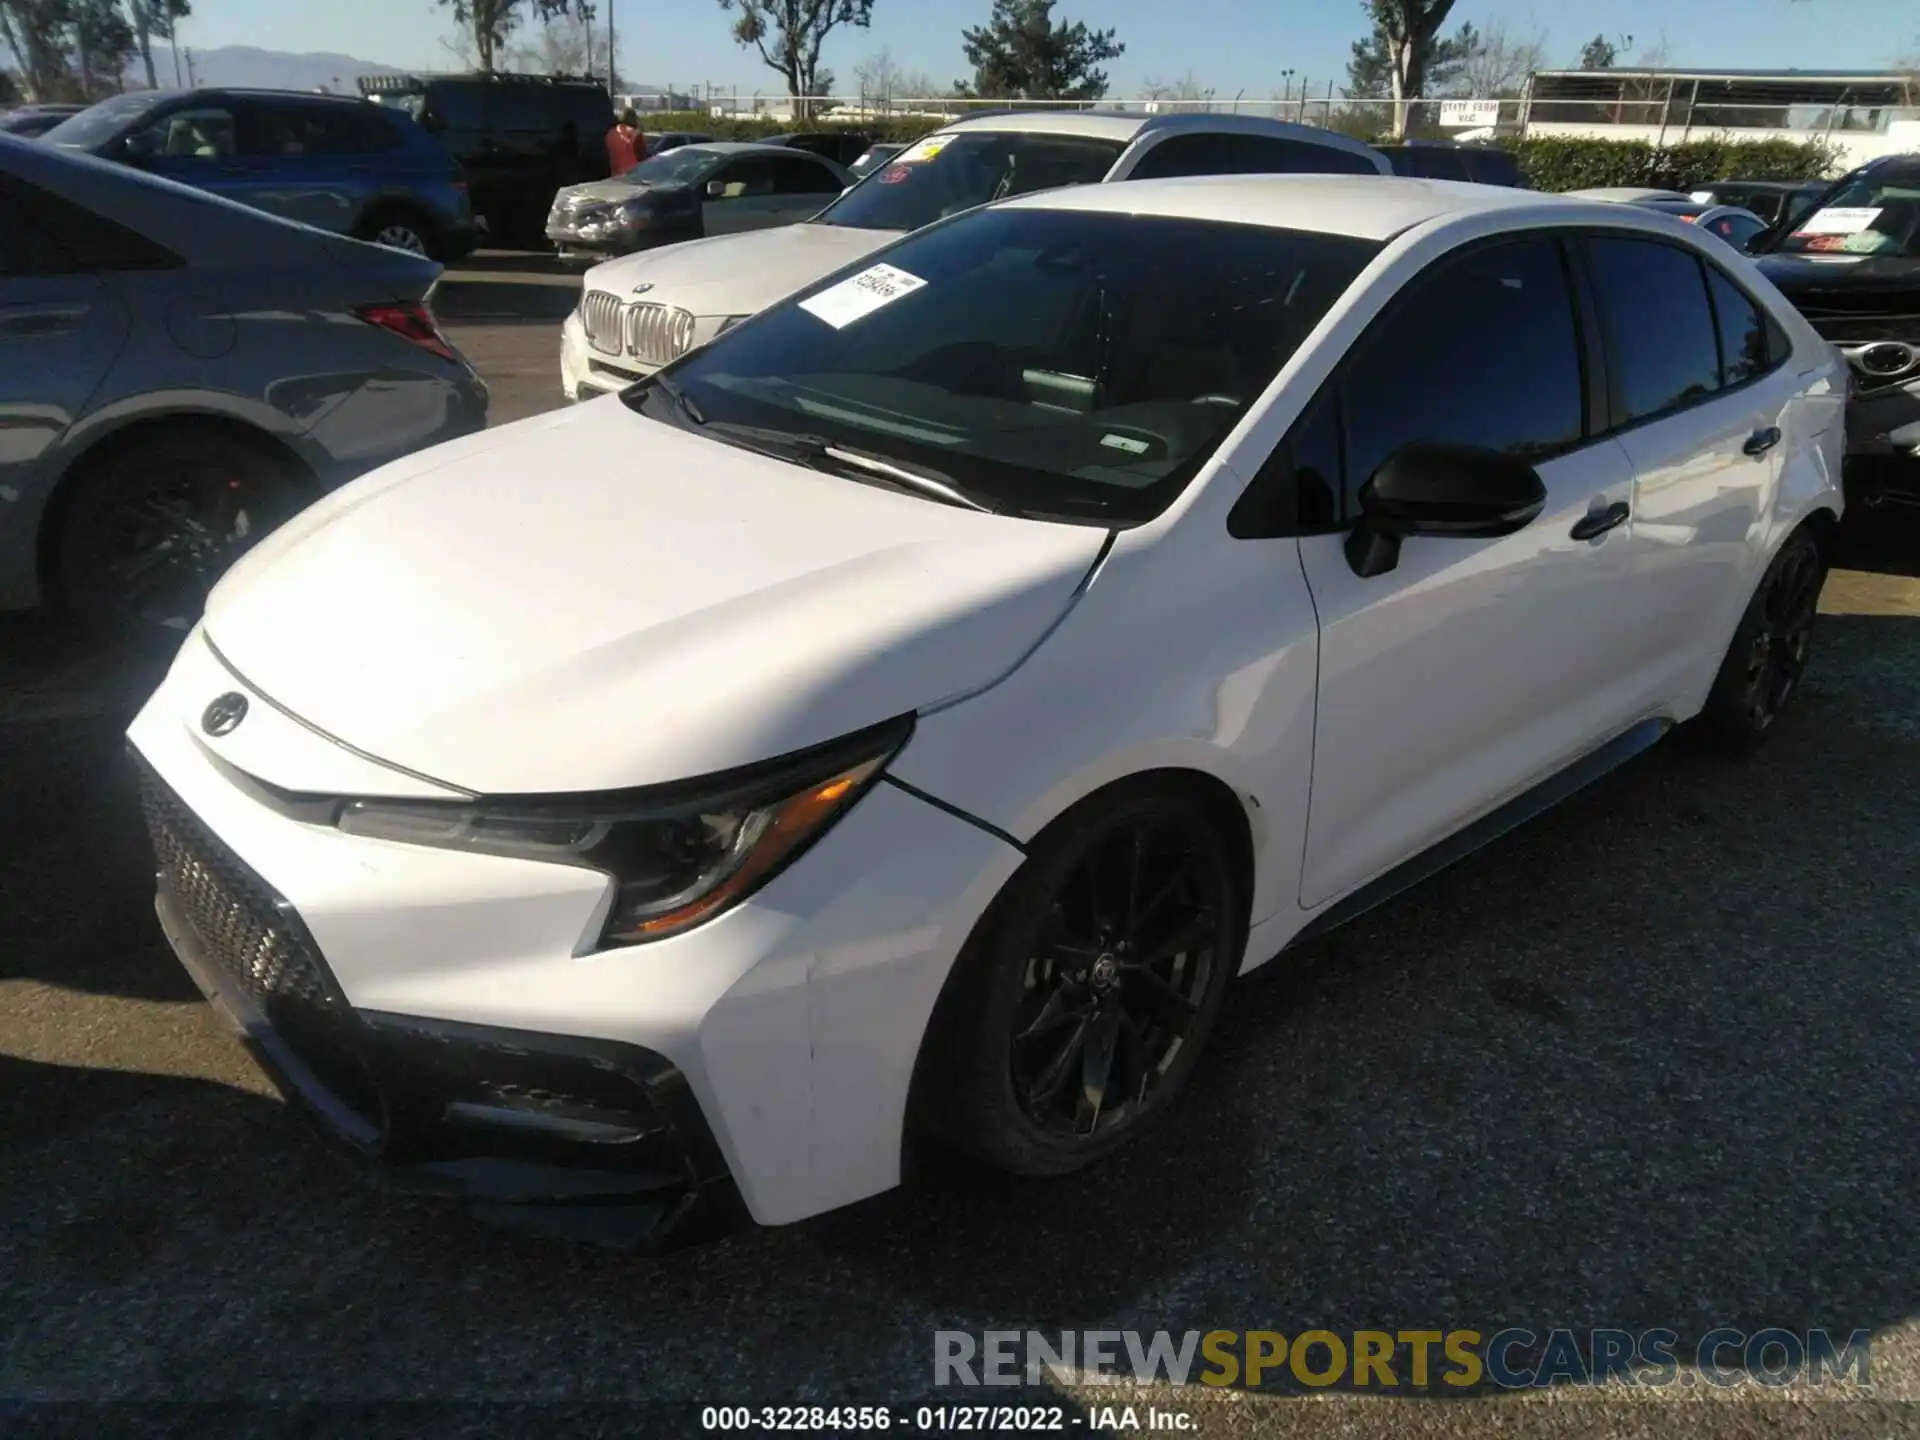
<point x="447" y="1016"/>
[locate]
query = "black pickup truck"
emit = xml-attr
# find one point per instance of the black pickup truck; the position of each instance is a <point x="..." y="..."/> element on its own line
<point x="1850" y="263"/>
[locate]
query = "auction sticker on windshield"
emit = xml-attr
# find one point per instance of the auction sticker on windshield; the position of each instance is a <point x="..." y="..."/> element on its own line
<point x="923" y="150"/>
<point x="1840" y="220"/>
<point x="860" y="295"/>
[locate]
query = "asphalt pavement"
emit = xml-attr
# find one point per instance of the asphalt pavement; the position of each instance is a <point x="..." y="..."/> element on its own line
<point x="1653" y="1060"/>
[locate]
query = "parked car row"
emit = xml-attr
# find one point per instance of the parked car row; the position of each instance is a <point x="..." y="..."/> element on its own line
<point x="897" y="716"/>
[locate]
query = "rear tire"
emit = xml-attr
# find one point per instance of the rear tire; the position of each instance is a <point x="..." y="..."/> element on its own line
<point x="1769" y="652"/>
<point x="146" y="528"/>
<point x="1080" y="1004"/>
<point x="400" y="227"/>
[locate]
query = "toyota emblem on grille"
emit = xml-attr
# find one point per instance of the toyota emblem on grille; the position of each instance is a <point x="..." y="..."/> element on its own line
<point x="224" y="714"/>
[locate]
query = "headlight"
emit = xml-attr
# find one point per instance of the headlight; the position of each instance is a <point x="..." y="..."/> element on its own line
<point x="678" y="854"/>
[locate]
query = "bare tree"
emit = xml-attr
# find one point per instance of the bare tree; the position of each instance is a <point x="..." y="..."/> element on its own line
<point x="1500" y="60"/>
<point x="789" y="33"/>
<point x="883" y="79"/>
<point x="565" y="45"/>
<point x="488" y="23"/>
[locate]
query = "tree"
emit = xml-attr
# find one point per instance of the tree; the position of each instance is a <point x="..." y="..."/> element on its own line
<point x="1186" y="90"/>
<point x="103" y="44"/>
<point x="1021" y="53"/>
<point x="151" y="20"/>
<point x="789" y="33"/>
<point x="1599" y="53"/>
<point x="1409" y="32"/>
<point x="37" y="34"/>
<point x="1497" y="62"/>
<point x="564" y="45"/>
<point x="487" y="23"/>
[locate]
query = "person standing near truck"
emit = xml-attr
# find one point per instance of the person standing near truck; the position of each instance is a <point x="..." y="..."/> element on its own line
<point x="626" y="147"/>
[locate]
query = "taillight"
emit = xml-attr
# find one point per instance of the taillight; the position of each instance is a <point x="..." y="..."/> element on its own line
<point x="412" y="322"/>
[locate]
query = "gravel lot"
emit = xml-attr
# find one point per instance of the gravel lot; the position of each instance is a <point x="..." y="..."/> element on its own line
<point x="1652" y="1061"/>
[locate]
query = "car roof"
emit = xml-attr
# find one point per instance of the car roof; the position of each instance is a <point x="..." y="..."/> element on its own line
<point x="748" y="147"/>
<point x="1628" y="193"/>
<point x="1125" y="126"/>
<point x="1367" y="207"/>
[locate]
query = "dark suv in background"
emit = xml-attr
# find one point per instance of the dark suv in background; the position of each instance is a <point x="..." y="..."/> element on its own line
<point x="1448" y="160"/>
<point x="843" y="147"/>
<point x="326" y="160"/>
<point x="519" y="137"/>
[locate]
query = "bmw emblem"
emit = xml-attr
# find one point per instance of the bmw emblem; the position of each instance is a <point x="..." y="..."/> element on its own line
<point x="642" y="288"/>
<point x="224" y="714"/>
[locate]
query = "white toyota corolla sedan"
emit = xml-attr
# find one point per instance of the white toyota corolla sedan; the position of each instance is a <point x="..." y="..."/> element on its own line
<point x="914" y="708"/>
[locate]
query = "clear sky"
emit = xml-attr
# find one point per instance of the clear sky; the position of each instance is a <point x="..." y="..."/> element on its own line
<point x="1226" y="44"/>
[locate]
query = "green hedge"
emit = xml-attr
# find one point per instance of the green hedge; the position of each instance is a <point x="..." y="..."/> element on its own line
<point x="1549" y="162"/>
<point x="1560" y="162"/>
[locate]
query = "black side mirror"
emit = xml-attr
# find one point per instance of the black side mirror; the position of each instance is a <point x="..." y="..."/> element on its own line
<point x="716" y="189"/>
<point x="139" y="147"/>
<point x="1465" y="491"/>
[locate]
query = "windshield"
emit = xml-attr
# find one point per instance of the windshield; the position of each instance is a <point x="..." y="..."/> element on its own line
<point x="947" y="173"/>
<point x="684" y="165"/>
<point x="1065" y="364"/>
<point x="1876" y="214"/>
<point x="94" y="126"/>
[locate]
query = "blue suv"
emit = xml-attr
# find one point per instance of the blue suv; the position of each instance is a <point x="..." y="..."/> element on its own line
<point x="338" y="163"/>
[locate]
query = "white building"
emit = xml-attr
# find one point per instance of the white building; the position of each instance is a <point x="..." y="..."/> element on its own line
<point x="1862" y="114"/>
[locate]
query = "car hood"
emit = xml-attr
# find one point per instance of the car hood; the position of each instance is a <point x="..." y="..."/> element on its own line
<point x="610" y="190"/>
<point x="594" y="600"/>
<point x="737" y="274"/>
<point x="1840" y="284"/>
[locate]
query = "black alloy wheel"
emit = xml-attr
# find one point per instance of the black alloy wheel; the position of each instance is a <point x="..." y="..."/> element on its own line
<point x="1118" y="977"/>
<point x="1770" y="649"/>
<point x="150" y="528"/>
<point x="1783" y="637"/>
<point x="1079" y="1006"/>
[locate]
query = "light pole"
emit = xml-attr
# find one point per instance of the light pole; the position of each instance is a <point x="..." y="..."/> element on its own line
<point x="613" y="79"/>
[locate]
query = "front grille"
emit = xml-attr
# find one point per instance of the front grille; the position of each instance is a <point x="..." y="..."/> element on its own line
<point x="657" y="334"/>
<point x="600" y="313"/>
<point x="232" y="910"/>
<point x="249" y="932"/>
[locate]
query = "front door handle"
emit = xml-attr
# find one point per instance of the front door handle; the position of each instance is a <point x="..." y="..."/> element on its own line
<point x="1599" y="522"/>
<point x="1761" y="441"/>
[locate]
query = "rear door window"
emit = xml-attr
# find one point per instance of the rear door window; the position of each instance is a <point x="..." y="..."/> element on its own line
<point x="456" y="107"/>
<point x="1224" y="153"/>
<point x="803" y="176"/>
<point x="1660" y="326"/>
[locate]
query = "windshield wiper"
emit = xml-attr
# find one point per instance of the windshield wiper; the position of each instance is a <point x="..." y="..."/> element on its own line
<point x="811" y="450"/>
<point x="636" y="394"/>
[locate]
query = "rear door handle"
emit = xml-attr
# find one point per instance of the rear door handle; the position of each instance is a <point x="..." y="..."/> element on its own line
<point x="1600" y="521"/>
<point x="1761" y="441"/>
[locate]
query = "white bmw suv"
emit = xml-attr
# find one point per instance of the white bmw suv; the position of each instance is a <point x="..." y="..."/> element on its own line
<point x="915" y="707"/>
<point x="644" y="310"/>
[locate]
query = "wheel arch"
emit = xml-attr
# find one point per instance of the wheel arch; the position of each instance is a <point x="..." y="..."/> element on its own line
<point x="107" y="443"/>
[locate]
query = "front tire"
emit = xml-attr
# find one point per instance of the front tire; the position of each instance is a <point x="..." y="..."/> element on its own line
<point x="1078" y="1008"/>
<point x="1769" y="652"/>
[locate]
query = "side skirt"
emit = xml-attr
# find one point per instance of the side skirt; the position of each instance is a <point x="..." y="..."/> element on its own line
<point x="1490" y="827"/>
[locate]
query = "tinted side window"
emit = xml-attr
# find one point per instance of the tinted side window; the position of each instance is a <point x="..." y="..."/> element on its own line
<point x="1479" y="350"/>
<point x="457" y="107"/>
<point x="519" y="107"/>
<point x="1267" y="155"/>
<point x="1223" y="154"/>
<point x="63" y="238"/>
<point x="1744" y="342"/>
<point x="744" y="178"/>
<point x="1653" y="303"/>
<point x="804" y="177"/>
<point x="1185" y="155"/>
<point x="1437" y="162"/>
